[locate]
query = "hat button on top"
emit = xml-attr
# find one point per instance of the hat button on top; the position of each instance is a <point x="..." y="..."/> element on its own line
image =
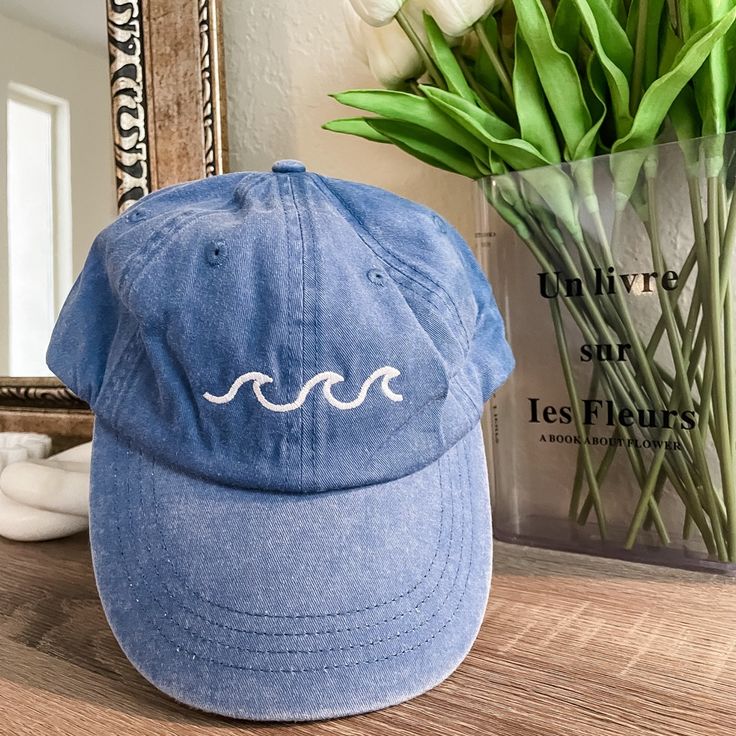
<point x="288" y="166"/>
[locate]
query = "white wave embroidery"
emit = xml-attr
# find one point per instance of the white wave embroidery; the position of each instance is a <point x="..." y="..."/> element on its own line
<point x="330" y="378"/>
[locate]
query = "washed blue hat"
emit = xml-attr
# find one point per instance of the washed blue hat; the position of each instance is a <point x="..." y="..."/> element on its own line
<point x="289" y="505"/>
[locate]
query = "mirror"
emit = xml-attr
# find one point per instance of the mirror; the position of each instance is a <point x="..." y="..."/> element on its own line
<point x="101" y="102"/>
<point x="58" y="180"/>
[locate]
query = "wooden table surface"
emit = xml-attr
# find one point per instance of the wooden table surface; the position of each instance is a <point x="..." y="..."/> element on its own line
<point x="570" y="645"/>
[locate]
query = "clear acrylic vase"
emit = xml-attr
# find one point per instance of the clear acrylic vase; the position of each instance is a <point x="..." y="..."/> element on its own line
<point x="616" y="434"/>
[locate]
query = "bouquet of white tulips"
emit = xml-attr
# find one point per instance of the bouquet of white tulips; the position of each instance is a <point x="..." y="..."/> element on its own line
<point x="527" y="93"/>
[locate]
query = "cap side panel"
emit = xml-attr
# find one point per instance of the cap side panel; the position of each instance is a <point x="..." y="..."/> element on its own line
<point x="411" y="272"/>
<point x="81" y="338"/>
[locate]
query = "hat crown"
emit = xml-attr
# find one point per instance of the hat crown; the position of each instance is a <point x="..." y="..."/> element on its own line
<point x="283" y="331"/>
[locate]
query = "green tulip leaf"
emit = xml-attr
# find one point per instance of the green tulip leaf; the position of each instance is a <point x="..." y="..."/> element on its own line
<point x="653" y="35"/>
<point x="613" y="38"/>
<point x="674" y="13"/>
<point x="646" y="40"/>
<point x="492" y="131"/>
<point x="429" y="147"/>
<point x="712" y="81"/>
<point x="549" y="181"/>
<point x="596" y="84"/>
<point x="582" y="166"/>
<point x="484" y="70"/>
<point x="632" y="21"/>
<point x="615" y="54"/>
<point x="688" y="126"/>
<point x="357" y="127"/>
<point x="671" y="45"/>
<point x="557" y="73"/>
<point x="566" y="27"/>
<point x="531" y="107"/>
<point x="658" y="99"/>
<point x="446" y="61"/>
<point x="412" y="109"/>
<point x="620" y="10"/>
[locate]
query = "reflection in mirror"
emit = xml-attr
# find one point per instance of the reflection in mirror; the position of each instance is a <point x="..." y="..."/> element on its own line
<point x="57" y="180"/>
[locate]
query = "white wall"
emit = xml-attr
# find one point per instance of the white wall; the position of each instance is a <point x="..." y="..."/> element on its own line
<point x="282" y="59"/>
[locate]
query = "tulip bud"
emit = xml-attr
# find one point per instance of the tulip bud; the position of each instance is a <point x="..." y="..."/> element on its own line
<point x="392" y="57"/>
<point x="414" y="12"/>
<point x="455" y="17"/>
<point x="377" y="12"/>
<point x="387" y="50"/>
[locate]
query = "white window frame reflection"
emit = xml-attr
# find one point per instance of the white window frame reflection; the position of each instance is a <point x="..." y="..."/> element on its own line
<point x="53" y="281"/>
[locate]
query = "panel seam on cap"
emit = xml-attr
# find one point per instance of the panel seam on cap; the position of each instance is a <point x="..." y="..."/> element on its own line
<point x="440" y="292"/>
<point x="287" y="183"/>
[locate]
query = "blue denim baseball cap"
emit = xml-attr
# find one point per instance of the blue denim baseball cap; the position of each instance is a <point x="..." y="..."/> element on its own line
<point x="289" y="505"/>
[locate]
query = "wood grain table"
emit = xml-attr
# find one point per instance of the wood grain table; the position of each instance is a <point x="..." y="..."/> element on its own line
<point x="570" y="645"/>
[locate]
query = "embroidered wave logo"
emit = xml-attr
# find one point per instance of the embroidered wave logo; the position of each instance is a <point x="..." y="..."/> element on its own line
<point x="327" y="378"/>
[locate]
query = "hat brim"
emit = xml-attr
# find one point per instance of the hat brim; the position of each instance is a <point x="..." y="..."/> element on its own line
<point x="291" y="607"/>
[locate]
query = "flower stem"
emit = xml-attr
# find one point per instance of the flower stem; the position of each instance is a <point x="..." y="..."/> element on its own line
<point x="682" y="389"/>
<point x="720" y="399"/>
<point x="572" y="391"/>
<point x="577" y="485"/>
<point x="628" y="394"/>
<point x="413" y="36"/>
<point x="495" y="59"/>
<point x="640" y="473"/>
<point x="639" y="56"/>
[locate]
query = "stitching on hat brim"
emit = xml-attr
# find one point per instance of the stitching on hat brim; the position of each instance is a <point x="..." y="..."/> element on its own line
<point x="403" y="651"/>
<point x="373" y="642"/>
<point x="374" y="606"/>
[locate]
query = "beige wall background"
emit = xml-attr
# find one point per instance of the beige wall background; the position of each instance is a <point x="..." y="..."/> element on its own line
<point x="282" y="59"/>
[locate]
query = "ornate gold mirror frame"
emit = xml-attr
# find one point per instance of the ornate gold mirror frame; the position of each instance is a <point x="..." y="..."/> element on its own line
<point x="169" y="125"/>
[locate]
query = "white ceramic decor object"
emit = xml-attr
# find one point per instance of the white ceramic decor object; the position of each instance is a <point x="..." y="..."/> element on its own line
<point x="13" y="454"/>
<point x="46" y="499"/>
<point x="23" y="523"/>
<point x="36" y="446"/>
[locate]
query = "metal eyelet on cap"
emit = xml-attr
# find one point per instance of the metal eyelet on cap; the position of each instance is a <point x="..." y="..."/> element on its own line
<point x="138" y="214"/>
<point x="217" y="252"/>
<point x="377" y="277"/>
<point x="439" y="223"/>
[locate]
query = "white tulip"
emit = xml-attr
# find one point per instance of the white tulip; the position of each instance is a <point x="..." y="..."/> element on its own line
<point x="377" y="12"/>
<point x="413" y="11"/>
<point x="455" y="17"/>
<point x="388" y="52"/>
<point x="392" y="57"/>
